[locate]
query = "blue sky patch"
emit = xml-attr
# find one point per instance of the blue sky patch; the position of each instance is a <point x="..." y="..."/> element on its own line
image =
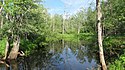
<point x="69" y="6"/>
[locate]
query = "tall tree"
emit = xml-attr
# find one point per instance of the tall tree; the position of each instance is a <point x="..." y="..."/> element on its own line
<point x="17" y="22"/>
<point x="101" y="54"/>
<point x="63" y="25"/>
<point x="1" y="8"/>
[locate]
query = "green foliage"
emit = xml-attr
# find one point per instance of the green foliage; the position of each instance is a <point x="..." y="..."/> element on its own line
<point x="70" y="37"/>
<point x="118" y="64"/>
<point x="65" y="37"/>
<point x="113" y="12"/>
<point x="87" y="38"/>
<point x="114" y="41"/>
<point x="23" y="18"/>
<point x="35" y="27"/>
<point x="27" y="46"/>
<point x="2" y="46"/>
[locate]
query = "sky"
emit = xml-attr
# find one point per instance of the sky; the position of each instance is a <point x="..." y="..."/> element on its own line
<point x="69" y="6"/>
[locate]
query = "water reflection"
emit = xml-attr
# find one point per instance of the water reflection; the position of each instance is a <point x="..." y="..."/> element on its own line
<point x="57" y="56"/>
<point x="2" y="67"/>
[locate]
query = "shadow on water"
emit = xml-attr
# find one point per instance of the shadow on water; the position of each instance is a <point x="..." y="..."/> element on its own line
<point x="57" y="56"/>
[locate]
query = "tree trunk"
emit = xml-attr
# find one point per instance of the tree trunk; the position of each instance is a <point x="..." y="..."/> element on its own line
<point x="101" y="54"/>
<point x="79" y="28"/>
<point x="53" y="24"/>
<point x="63" y="25"/>
<point x="1" y="23"/>
<point x="1" y="8"/>
<point x="14" y="51"/>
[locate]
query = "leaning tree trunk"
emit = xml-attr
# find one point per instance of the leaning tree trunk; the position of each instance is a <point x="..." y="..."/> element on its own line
<point x="101" y="54"/>
<point x="14" y="51"/>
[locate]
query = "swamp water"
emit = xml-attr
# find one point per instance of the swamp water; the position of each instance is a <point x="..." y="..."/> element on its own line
<point x="57" y="56"/>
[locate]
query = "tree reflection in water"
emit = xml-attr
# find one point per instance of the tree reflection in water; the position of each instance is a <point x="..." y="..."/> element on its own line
<point x="57" y="56"/>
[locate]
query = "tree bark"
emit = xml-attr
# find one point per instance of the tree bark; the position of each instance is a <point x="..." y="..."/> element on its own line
<point x="1" y="22"/>
<point x="1" y="8"/>
<point x="101" y="54"/>
<point x="14" y="51"/>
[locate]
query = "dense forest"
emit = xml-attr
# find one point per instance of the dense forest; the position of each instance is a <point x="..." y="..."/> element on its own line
<point x="26" y="26"/>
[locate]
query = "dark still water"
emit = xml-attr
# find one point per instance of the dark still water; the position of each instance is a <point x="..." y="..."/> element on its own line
<point x="57" y="56"/>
